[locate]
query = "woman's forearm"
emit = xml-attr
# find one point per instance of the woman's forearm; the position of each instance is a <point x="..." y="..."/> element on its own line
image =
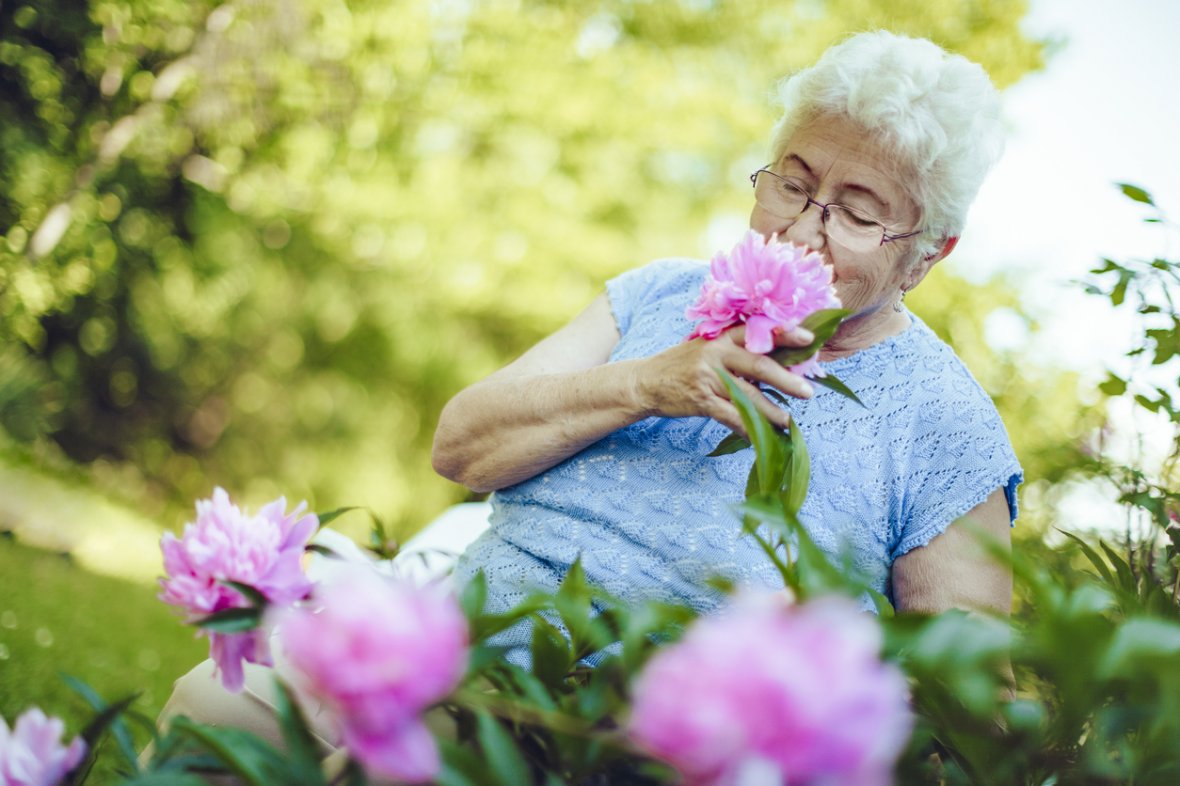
<point x="505" y="430"/>
<point x="562" y="395"/>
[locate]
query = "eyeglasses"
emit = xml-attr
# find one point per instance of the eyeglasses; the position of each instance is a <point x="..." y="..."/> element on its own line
<point x="850" y="228"/>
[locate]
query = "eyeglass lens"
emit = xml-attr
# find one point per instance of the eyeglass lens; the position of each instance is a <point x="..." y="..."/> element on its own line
<point x="844" y="225"/>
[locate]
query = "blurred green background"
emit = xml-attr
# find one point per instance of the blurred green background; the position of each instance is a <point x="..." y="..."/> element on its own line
<point x="259" y="244"/>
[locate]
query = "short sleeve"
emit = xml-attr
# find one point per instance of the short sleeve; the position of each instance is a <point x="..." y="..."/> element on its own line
<point x="631" y="291"/>
<point x="955" y="462"/>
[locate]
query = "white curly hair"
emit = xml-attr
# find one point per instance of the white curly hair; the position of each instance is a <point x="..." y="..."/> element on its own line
<point x="936" y="114"/>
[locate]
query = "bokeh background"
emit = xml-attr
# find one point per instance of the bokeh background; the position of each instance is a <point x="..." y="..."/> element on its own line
<point x="258" y="245"/>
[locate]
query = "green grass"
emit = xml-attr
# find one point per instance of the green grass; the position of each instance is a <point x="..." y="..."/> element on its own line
<point x="56" y="617"/>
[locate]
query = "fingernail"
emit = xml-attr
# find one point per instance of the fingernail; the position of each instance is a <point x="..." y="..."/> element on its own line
<point x="804" y="334"/>
<point x="808" y="390"/>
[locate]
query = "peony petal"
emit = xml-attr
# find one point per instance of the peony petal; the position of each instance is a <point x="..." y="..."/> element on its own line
<point x="760" y="334"/>
<point x="407" y="753"/>
<point x="227" y="651"/>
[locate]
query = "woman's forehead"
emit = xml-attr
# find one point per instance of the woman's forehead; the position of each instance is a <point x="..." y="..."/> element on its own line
<point x="845" y="159"/>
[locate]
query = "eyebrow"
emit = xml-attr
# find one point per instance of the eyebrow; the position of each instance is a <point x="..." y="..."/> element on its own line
<point x="843" y="186"/>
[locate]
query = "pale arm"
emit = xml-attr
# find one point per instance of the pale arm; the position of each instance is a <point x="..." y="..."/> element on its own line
<point x="548" y="404"/>
<point x="954" y="571"/>
<point x="562" y="395"/>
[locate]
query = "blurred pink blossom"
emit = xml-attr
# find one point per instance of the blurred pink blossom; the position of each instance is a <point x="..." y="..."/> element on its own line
<point x="766" y="284"/>
<point x="31" y="753"/>
<point x="377" y="653"/>
<point x="795" y="694"/>
<point x="263" y="550"/>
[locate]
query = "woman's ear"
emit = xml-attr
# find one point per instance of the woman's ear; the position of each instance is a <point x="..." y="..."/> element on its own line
<point x="945" y="251"/>
<point x="925" y="263"/>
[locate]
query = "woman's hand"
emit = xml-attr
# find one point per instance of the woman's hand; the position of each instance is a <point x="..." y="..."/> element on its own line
<point x="683" y="381"/>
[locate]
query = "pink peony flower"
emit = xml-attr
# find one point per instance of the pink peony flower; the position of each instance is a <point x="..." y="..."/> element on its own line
<point x="31" y="753"/>
<point x="793" y="694"/>
<point x="377" y="653"/>
<point x="766" y="285"/>
<point x="264" y="551"/>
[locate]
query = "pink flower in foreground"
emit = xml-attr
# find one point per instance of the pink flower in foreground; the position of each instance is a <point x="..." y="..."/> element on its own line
<point x="263" y="550"/>
<point x="793" y="695"/>
<point x="378" y="653"/>
<point x="31" y="753"/>
<point x="766" y="285"/>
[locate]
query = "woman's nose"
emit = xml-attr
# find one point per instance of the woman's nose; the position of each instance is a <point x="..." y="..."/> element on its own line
<point x="808" y="229"/>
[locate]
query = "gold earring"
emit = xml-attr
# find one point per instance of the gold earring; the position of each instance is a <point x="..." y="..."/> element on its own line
<point x="897" y="304"/>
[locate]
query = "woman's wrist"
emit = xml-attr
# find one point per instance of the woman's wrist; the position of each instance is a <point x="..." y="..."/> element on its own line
<point x="639" y="397"/>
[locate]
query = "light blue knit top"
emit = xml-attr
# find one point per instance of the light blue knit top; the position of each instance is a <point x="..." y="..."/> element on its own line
<point x="649" y="511"/>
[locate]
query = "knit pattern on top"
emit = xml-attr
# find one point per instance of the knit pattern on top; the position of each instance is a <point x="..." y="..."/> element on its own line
<point x="649" y="512"/>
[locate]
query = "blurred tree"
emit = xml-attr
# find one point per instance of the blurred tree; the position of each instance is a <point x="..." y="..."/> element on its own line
<point x="260" y="243"/>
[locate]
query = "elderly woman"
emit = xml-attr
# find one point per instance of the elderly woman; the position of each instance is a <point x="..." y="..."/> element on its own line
<point x="596" y="440"/>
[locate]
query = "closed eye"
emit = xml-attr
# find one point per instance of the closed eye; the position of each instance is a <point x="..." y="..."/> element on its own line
<point x="860" y="219"/>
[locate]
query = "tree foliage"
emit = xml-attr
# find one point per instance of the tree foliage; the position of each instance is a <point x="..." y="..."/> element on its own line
<point x="259" y="243"/>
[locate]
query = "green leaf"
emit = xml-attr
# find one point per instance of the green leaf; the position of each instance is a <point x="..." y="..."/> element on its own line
<point x="1092" y="555"/>
<point x="1119" y="293"/>
<point x="732" y="443"/>
<point x="830" y="381"/>
<point x="252" y="594"/>
<point x="486" y="625"/>
<point x="303" y="750"/>
<point x="474" y="596"/>
<point x="93" y="733"/>
<point x="511" y="680"/>
<point x="1113" y="386"/>
<point x="99" y="724"/>
<point x="1136" y="193"/>
<point x="165" y="779"/>
<point x="776" y="396"/>
<point x="1139" y="639"/>
<point x="798" y="473"/>
<point x="551" y="653"/>
<point x="573" y="604"/>
<point x="504" y="759"/>
<point x="231" y="620"/>
<point x="826" y="322"/>
<point x="246" y="755"/>
<point x="884" y="608"/>
<point x="770" y="455"/>
<point x="480" y="656"/>
<point x="117" y="725"/>
<point x="791" y="356"/>
<point x="768" y="510"/>
<point x="332" y="515"/>
<point x="379" y="540"/>
<point x="322" y="550"/>
<point x="1126" y="577"/>
<point x="823" y="324"/>
<point x="460" y="766"/>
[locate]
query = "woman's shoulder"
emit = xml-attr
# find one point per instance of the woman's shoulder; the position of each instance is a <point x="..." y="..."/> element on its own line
<point x="916" y="382"/>
<point x="665" y="273"/>
<point x="662" y="284"/>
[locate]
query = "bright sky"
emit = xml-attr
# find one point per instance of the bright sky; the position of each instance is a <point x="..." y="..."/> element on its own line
<point x="1106" y="109"/>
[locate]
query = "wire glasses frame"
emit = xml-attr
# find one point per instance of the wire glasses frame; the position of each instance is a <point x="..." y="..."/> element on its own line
<point x="826" y="210"/>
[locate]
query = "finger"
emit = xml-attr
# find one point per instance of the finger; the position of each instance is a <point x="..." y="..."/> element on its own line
<point x="771" y="411"/>
<point x="737" y="334"/>
<point x="799" y="337"/>
<point x="725" y="413"/>
<point x="760" y="368"/>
